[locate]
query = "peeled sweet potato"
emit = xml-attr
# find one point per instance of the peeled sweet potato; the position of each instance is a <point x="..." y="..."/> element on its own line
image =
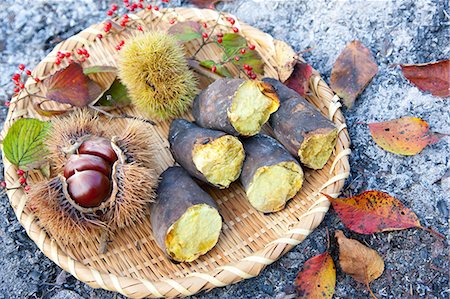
<point x="270" y="176"/>
<point x="209" y="155"/>
<point x="185" y="219"/>
<point x="235" y="106"/>
<point x="301" y="128"/>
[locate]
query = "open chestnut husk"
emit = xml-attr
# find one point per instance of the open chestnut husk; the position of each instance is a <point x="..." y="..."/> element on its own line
<point x="101" y="181"/>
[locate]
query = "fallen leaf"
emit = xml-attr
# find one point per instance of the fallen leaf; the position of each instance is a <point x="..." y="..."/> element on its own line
<point x="116" y="95"/>
<point x="299" y="79"/>
<point x="233" y="43"/>
<point x="317" y="279"/>
<point x="220" y="68"/>
<point x="99" y="69"/>
<point x="186" y="31"/>
<point x="71" y="86"/>
<point x="404" y="136"/>
<point x="372" y="212"/>
<point x="352" y="71"/>
<point x="285" y="58"/>
<point x="359" y="261"/>
<point x="23" y="144"/>
<point x="204" y="3"/>
<point x="433" y="77"/>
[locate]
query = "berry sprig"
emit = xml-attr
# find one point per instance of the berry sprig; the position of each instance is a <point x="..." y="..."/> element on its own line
<point x="23" y="175"/>
<point x="19" y="80"/>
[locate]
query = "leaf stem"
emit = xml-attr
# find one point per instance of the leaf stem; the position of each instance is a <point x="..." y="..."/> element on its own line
<point x="194" y="64"/>
<point x="432" y="232"/>
<point x="121" y="116"/>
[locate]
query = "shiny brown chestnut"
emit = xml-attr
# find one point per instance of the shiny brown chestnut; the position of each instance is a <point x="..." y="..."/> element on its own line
<point x="83" y="162"/>
<point x="89" y="188"/>
<point x="98" y="146"/>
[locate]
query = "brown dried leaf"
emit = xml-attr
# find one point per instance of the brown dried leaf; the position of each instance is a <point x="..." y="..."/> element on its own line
<point x="357" y="260"/>
<point x="352" y="71"/>
<point x="286" y="59"/>
<point x="299" y="80"/>
<point x="433" y="77"/>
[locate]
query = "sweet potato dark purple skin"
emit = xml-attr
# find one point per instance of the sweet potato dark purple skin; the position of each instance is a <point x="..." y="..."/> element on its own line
<point x="212" y="104"/>
<point x="177" y="192"/>
<point x="296" y="118"/>
<point x="183" y="136"/>
<point x="262" y="150"/>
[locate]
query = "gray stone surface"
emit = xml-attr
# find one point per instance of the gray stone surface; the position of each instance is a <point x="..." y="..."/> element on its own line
<point x="404" y="31"/>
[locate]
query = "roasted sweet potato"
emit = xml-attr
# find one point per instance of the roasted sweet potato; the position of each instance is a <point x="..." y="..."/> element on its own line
<point x="235" y="106"/>
<point x="301" y="128"/>
<point x="185" y="220"/>
<point x="270" y="176"/>
<point x="209" y="155"/>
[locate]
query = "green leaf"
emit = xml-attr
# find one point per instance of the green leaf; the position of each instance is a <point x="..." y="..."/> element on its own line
<point x="23" y="145"/>
<point x="116" y="95"/>
<point x="233" y="43"/>
<point x="99" y="69"/>
<point x="186" y="31"/>
<point x="220" y="69"/>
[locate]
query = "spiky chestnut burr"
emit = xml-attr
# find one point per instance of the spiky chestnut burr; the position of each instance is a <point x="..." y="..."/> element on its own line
<point x="156" y="74"/>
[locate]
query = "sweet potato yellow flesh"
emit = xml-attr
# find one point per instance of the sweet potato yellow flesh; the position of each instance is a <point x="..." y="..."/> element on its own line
<point x="220" y="161"/>
<point x="194" y="233"/>
<point x="316" y="149"/>
<point x="250" y="108"/>
<point x="272" y="186"/>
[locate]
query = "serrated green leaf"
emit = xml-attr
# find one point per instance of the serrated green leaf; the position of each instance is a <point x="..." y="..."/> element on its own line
<point x="233" y="43"/>
<point x="186" y="31"/>
<point x="99" y="69"/>
<point x="220" y="69"/>
<point x="23" y="145"/>
<point x="116" y="95"/>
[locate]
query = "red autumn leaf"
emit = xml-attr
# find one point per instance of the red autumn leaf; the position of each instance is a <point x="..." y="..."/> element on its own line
<point x="352" y="71"/>
<point x="299" y="79"/>
<point x="372" y="212"/>
<point x="205" y="3"/>
<point x="317" y="279"/>
<point x="404" y="136"/>
<point x="71" y="86"/>
<point x="433" y="77"/>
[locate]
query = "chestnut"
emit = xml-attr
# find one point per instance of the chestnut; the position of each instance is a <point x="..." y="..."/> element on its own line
<point x="98" y="146"/>
<point x="86" y="162"/>
<point x="89" y="188"/>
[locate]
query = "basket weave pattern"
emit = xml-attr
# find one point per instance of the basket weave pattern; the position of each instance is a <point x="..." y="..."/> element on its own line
<point x="134" y="265"/>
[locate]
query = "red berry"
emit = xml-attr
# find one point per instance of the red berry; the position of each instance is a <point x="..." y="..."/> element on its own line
<point x="100" y="36"/>
<point x="37" y="80"/>
<point x="123" y="23"/>
<point x="156" y="8"/>
<point x="214" y="69"/>
<point x="122" y="42"/>
<point x="125" y="1"/>
<point x="87" y="55"/>
<point x="16" y="77"/>
<point x="114" y="7"/>
<point x="61" y="55"/>
<point x="21" y="67"/>
<point x="249" y="72"/>
<point x="82" y="59"/>
<point x="3" y="184"/>
<point x="171" y="21"/>
<point x="220" y="34"/>
<point x="252" y="47"/>
<point x="253" y="76"/>
<point x="85" y="52"/>
<point x="79" y="51"/>
<point x="205" y="25"/>
<point x="242" y="51"/>
<point x="125" y="16"/>
<point x="27" y="188"/>
<point x="140" y="6"/>
<point x="149" y="7"/>
<point x="28" y="72"/>
<point x="22" y="181"/>
<point x="235" y="29"/>
<point x="165" y="1"/>
<point x="106" y="30"/>
<point x="21" y="85"/>
<point x="219" y="40"/>
<point x="109" y="12"/>
<point x="118" y="48"/>
<point x="68" y="54"/>
<point x="205" y="35"/>
<point x="57" y="61"/>
<point x="236" y="58"/>
<point x="7" y="104"/>
<point x="140" y="28"/>
<point x="250" y="68"/>
<point x="16" y="89"/>
<point x="20" y="172"/>
<point x="231" y="20"/>
<point x="245" y="66"/>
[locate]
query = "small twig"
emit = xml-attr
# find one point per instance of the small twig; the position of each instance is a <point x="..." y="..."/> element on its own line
<point x="432" y="232"/>
<point x="194" y="64"/>
<point x="121" y="116"/>
<point x="206" y="40"/>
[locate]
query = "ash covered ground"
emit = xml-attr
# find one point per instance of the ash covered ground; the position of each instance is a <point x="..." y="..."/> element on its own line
<point x="404" y="31"/>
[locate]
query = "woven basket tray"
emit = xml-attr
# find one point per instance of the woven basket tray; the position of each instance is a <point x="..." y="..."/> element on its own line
<point x="133" y="264"/>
